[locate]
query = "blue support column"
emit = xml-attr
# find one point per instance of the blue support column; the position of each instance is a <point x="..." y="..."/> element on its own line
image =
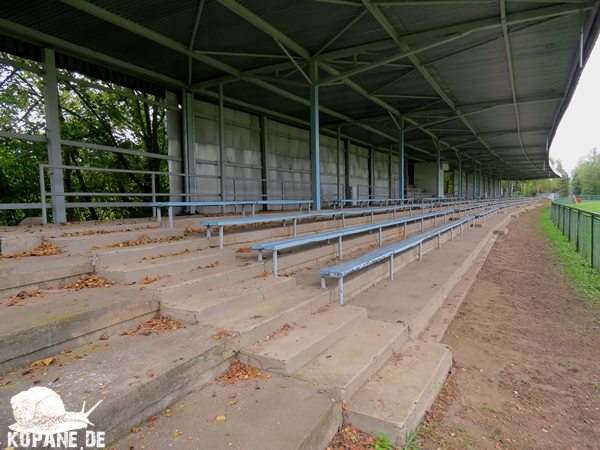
<point x="315" y="151"/>
<point x="459" y="178"/>
<point x="59" y="213"/>
<point x="401" y="166"/>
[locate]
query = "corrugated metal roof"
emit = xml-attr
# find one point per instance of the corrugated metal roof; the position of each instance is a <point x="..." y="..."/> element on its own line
<point x="469" y="72"/>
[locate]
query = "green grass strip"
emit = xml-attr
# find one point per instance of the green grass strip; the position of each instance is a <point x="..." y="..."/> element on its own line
<point x="588" y="206"/>
<point x="585" y="279"/>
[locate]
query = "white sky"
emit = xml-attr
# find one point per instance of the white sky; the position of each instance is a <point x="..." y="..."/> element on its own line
<point x="579" y="129"/>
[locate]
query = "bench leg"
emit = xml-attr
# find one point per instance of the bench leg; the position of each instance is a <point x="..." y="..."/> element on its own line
<point x="323" y="285"/>
<point x="260" y="255"/>
<point x="434" y="221"/>
<point x="372" y="217"/>
<point x="391" y="267"/>
<point x="275" y="263"/>
<point x="343" y="220"/>
<point x="170" y="217"/>
<point x="341" y="290"/>
<point x="340" y="246"/>
<point x="439" y="241"/>
<point x="208" y="232"/>
<point x="158" y="215"/>
<point x="420" y="251"/>
<point x="404" y="230"/>
<point x="221" y="237"/>
<point x="295" y="220"/>
<point x="452" y="233"/>
<point x="380" y="237"/>
<point x="422" y="224"/>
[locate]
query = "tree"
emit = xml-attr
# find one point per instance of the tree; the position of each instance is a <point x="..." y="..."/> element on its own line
<point x="587" y="174"/>
<point x="562" y="183"/>
<point x="89" y="115"/>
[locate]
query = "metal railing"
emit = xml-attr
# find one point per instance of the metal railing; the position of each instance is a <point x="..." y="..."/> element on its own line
<point x="581" y="227"/>
<point x="283" y="190"/>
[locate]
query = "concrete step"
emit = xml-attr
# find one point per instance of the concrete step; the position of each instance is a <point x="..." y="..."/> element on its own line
<point x="424" y="285"/>
<point x="222" y="302"/>
<point x="66" y="319"/>
<point x="134" y="376"/>
<point x="204" y="280"/>
<point x="354" y="359"/>
<point x="289" y="350"/>
<point x="41" y="272"/>
<point x="120" y="255"/>
<point x="397" y="397"/>
<point x="85" y="242"/>
<point x="282" y="413"/>
<point x="167" y="265"/>
<point x="273" y="316"/>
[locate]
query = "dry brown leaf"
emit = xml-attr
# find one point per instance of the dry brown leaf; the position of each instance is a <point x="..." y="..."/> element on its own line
<point x="104" y="336"/>
<point x="221" y="334"/>
<point x="158" y="324"/>
<point x="43" y="250"/>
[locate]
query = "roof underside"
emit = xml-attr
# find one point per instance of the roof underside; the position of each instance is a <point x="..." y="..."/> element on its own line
<point x="484" y="81"/>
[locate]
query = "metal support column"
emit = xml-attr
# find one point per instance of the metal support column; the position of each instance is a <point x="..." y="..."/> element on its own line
<point x="347" y="168"/>
<point x="264" y="151"/>
<point x="390" y="183"/>
<point x="315" y="151"/>
<point x="222" y="144"/>
<point x="459" y="193"/>
<point x="401" y="166"/>
<point x="438" y="191"/>
<point x="59" y="213"/>
<point x="189" y="148"/>
<point x="339" y="157"/>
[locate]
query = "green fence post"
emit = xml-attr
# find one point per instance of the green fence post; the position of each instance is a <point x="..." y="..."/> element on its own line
<point x="577" y="231"/>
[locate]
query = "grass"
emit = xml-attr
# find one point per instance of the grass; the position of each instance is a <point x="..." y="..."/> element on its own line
<point x="585" y="279"/>
<point x="588" y="206"/>
<point x="489" y="408"/>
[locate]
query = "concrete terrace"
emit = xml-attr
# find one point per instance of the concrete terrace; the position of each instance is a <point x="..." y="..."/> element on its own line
<point x="375" y="362"/>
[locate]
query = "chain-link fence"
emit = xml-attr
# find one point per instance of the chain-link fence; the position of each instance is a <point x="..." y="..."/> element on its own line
<point x="581" y="227"/>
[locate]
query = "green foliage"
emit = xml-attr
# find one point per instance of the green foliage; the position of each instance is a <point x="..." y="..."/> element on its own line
<point x="89" y="115"/>
<point x="587" y="174"/>
<point x="383" y="443"/>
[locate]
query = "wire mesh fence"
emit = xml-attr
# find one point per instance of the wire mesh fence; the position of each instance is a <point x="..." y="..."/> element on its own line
<point x="581" y="227"/>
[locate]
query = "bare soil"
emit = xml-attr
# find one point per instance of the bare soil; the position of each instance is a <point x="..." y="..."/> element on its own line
<point x="526" y="357"/>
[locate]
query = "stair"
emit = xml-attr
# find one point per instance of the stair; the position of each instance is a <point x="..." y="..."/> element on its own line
<point x="312" y="353"/>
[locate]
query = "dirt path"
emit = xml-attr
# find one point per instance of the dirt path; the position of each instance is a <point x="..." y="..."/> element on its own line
<point x="526" y="356"/>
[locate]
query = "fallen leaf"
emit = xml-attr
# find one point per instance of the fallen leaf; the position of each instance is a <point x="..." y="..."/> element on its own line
<point x="220" y="418"/>
<point x="104" y="336"/>
<point x="177" y="433"/>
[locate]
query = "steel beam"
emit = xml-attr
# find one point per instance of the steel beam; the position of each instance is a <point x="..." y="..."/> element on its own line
<point x="133" y="27"/>
<point x="222" y="145"/>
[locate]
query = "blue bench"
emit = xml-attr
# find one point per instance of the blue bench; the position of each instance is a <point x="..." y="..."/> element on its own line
<point x="339" y="271"/>
<point x="276" y="246"/>
<point x="360" y="201"/>
<point x="222" y="223"/>
<point x="243" y="203"/>
<point x="294" y="218"/>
